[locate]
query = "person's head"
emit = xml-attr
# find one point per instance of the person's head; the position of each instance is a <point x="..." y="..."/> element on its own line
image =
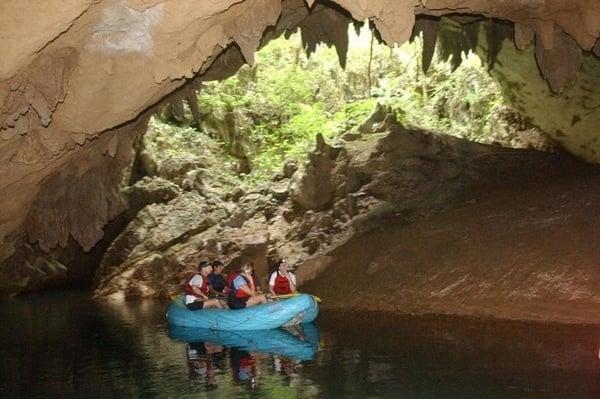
<point x="247" y="268"/>
<point x="281" y="265"/>
<point x="204" y="268"/>
<point x="217" y="266"/>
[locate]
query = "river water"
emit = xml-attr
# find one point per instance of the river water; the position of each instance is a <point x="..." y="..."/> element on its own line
<point x="68" y="345"/>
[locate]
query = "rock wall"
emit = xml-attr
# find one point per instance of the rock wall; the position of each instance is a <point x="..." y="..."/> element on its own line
<point x="519" y="251"/>
<point x="77" y="75"/>
<point x="192" y="206"/>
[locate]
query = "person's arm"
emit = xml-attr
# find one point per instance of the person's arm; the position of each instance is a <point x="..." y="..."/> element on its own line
<point x="272" y="283"/>
<point x="256" y="287"/>
<point x="196" y="288"/>
<point x="252" y="285"/>
<point x="292" y="279"/>
<point x="248" y="288"/>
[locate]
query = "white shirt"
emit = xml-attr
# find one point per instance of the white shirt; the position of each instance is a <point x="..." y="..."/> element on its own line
<point x="291" y="277"/>
<point x="197" y="281"/>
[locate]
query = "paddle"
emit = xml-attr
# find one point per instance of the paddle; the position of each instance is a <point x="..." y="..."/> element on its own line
<point x="174" y="296"/>
<point x="291" y="295"/>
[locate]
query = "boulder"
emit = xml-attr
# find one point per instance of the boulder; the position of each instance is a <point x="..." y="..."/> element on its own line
<point x="378" y="115"/>
<point x="280" y="189"/>
<point x="351" y="136"/>
<point x="289" y="168"/>
<point x="175" y="168"/>
<point x="151" y="190"/>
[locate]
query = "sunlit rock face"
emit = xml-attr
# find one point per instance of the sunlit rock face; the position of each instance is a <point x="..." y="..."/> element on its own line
<point x="570" y="117"/>
<point x="77" y="76"/>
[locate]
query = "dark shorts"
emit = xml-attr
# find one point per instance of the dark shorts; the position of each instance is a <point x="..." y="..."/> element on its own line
<point x="237" y="303"/>
<point x="197" y="305"/>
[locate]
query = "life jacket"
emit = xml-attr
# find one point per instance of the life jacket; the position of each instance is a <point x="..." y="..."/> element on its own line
<point x="282" y="285"/>
<point x="233" y="292"/>
<point x="229" y="282"/>
<point x="188" y="287"/>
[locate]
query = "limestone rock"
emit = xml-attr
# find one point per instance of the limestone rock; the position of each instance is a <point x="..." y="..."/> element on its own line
<point x="351" y="136"/>
<point x="175" y="168"/>
<point x="378" y="115"/>
<point x="280" y="190"/>
<point x="156" y="228"/>
<point x="289" y="168"/>
<point x="152" y="190"/>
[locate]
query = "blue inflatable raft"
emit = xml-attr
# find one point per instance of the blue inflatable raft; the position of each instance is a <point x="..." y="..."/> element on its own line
<point x="300" y="344"/>
<point x="298" y="309"/>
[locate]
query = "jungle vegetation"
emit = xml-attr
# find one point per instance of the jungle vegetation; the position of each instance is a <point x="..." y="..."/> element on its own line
<point x="271" y="111"/>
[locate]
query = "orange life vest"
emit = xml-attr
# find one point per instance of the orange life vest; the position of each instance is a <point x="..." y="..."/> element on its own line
<point x="189" y="289"/>
<point x="282" y="285"/>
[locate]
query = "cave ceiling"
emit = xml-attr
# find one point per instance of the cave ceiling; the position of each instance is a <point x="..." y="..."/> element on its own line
<point x="79" y="79"/>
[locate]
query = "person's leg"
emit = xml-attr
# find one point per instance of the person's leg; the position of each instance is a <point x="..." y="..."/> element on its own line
<point x="213" y="304"/>
<point x="197" y="305"/>
<point x="236" y="303"/>
<point x="256" y="300"/>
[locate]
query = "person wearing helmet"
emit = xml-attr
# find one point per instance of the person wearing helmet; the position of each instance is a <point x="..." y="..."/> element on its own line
<point x="197" y="289"/>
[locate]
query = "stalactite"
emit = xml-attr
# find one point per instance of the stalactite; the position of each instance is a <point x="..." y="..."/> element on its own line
<point x="328" y="26"/>
<point x="455" y="38"/>
<point x="596" y="49"/>
<point x="429" y="27"/>
<point x="497" y="33"/>
<point x="524" y="36"/>
<point x="560" y="64"/>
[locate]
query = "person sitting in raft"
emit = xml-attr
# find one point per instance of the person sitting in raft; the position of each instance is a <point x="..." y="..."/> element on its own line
<point x="231" y="276"/>
<point x="282" y="281"/>
<point x="217" y="281"/>
<point x="243" y="292"/>
<point x="196" y="289"/>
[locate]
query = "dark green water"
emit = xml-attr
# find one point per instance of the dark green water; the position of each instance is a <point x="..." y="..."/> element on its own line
<point x="66" y="345"/>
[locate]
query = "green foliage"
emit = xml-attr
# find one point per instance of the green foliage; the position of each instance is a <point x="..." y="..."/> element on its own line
<point x="353" y="114"/>
<point x="172" y="139"/>
<point x="287" y="98"/>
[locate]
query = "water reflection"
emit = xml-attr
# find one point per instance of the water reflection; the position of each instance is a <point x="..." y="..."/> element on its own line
<point x="300" y="343"/>
<point x="283" y="350"/>
<point x="204" y="361"/>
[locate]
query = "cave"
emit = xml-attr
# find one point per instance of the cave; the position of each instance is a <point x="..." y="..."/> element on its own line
<point x="81" y="79"/>
<point x="78" y="92"/>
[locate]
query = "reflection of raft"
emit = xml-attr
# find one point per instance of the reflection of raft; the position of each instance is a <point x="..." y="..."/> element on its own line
<point x="300" y="346"/>
<point x="298" y="309"/>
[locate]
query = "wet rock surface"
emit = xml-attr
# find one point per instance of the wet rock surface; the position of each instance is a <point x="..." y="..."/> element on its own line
<point x="517" y="252"/>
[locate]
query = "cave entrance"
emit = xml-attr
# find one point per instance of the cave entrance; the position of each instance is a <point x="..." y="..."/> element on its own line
<point x="270" y="112"/>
